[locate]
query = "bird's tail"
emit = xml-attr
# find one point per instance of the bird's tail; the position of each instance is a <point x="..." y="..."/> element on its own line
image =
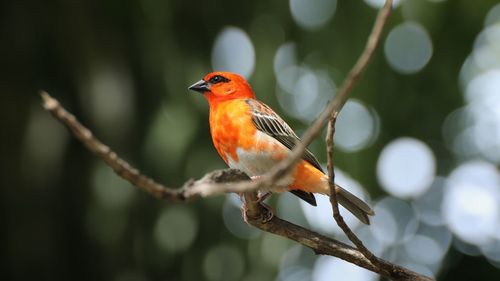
<point x="354" y="205"/>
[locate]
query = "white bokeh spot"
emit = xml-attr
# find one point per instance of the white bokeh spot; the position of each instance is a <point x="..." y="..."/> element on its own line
<point x="233" y="51"/>
<point x="408" y="48"/>
<point x="471" y="202"/>
<point x="312" y="14"/>
<point x="357" y="127"/>
<point x="406" y="168"/>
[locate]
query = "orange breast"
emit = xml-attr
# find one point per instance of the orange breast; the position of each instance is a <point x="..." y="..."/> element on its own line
<point x="231" y="127"/>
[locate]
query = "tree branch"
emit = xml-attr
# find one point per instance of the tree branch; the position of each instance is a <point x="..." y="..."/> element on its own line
<point x="321" y="244"/>
<point x="216" y="182"/>
<point x="339" y="102"/>
<point x="374" y="260"/>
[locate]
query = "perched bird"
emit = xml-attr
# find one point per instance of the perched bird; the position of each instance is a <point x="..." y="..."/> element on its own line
<point x="251" y="137"/>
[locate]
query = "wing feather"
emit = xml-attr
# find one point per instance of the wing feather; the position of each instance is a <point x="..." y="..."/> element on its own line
<point x="267" y="121"/>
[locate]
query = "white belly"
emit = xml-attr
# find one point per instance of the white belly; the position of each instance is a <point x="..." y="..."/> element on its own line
<point x="253" y="164"/>
<point x="258" y="163"/>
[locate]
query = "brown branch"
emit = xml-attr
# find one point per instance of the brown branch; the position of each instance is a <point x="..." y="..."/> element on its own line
<point x="341" y="99"/>
<point x="374" y="260"/>
<point x="216" y="182"/>
<point x="323" y="245"/>
<point x="363" y="59"/>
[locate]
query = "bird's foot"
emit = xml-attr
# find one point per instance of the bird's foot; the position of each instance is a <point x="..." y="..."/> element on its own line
<point x="265" y="211"/>
<point x="263" y="195"/>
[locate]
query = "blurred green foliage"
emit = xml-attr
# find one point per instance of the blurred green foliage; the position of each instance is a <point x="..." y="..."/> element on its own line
<point x="65" y="216"/>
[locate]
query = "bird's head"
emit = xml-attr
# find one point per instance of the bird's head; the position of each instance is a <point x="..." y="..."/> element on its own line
<point x="222" y="86"/>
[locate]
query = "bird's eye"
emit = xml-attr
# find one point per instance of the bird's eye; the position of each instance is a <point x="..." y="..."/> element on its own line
<point x="217" y="79"/>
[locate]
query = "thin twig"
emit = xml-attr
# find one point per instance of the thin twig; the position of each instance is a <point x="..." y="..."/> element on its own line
<point x="334" y="106"/>
<point x="364" y="58"/>
<point x="335" y="205"/>
<point x="323" y="245"/>
<point x="342" y="96"/>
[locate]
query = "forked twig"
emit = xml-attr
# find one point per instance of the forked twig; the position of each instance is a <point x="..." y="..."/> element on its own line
<point x="341" y="99"/>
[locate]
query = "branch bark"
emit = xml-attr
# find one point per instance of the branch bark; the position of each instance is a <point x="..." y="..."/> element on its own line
<point x="216" y="182"/>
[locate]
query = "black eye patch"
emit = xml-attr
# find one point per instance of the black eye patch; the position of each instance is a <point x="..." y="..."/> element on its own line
<point x="218" y="79"/>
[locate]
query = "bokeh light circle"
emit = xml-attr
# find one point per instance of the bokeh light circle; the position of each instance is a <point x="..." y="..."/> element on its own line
<point x="408" y="48"/>
<point x="233" y="51"/>
<point x="303" y="92"/>
<point x="312" y="14"/>
<point x="356" y="128"/>
<point x="176" y="229"/>
<point x="471" y="205"/>
<point x="284" y="57"/>
<point x="406" y="167"/>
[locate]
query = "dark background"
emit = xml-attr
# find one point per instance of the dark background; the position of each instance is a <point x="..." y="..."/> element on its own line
<point x="56" y="221"/>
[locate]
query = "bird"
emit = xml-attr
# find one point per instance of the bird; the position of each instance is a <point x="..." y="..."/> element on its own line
<point x="251" y="137"/>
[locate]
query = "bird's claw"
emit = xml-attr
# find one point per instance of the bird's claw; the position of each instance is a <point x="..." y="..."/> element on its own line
<point x="265" y="212"/>
<point x="263" y="195"/>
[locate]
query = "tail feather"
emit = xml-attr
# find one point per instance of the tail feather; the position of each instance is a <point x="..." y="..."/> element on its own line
<point x="354" y="205"/>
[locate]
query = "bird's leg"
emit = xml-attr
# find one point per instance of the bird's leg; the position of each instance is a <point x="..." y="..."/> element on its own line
<point x="266" y="215"/>
<point x="261" y="196"/>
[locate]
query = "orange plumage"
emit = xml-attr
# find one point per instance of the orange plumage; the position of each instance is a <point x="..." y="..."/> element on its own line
<point x="251" y="137"/>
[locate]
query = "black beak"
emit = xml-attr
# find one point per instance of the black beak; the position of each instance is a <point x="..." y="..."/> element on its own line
<point x="200" y="87"/>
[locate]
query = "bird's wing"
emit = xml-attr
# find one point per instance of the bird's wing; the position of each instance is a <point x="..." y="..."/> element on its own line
<point x="267" y="121"/>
